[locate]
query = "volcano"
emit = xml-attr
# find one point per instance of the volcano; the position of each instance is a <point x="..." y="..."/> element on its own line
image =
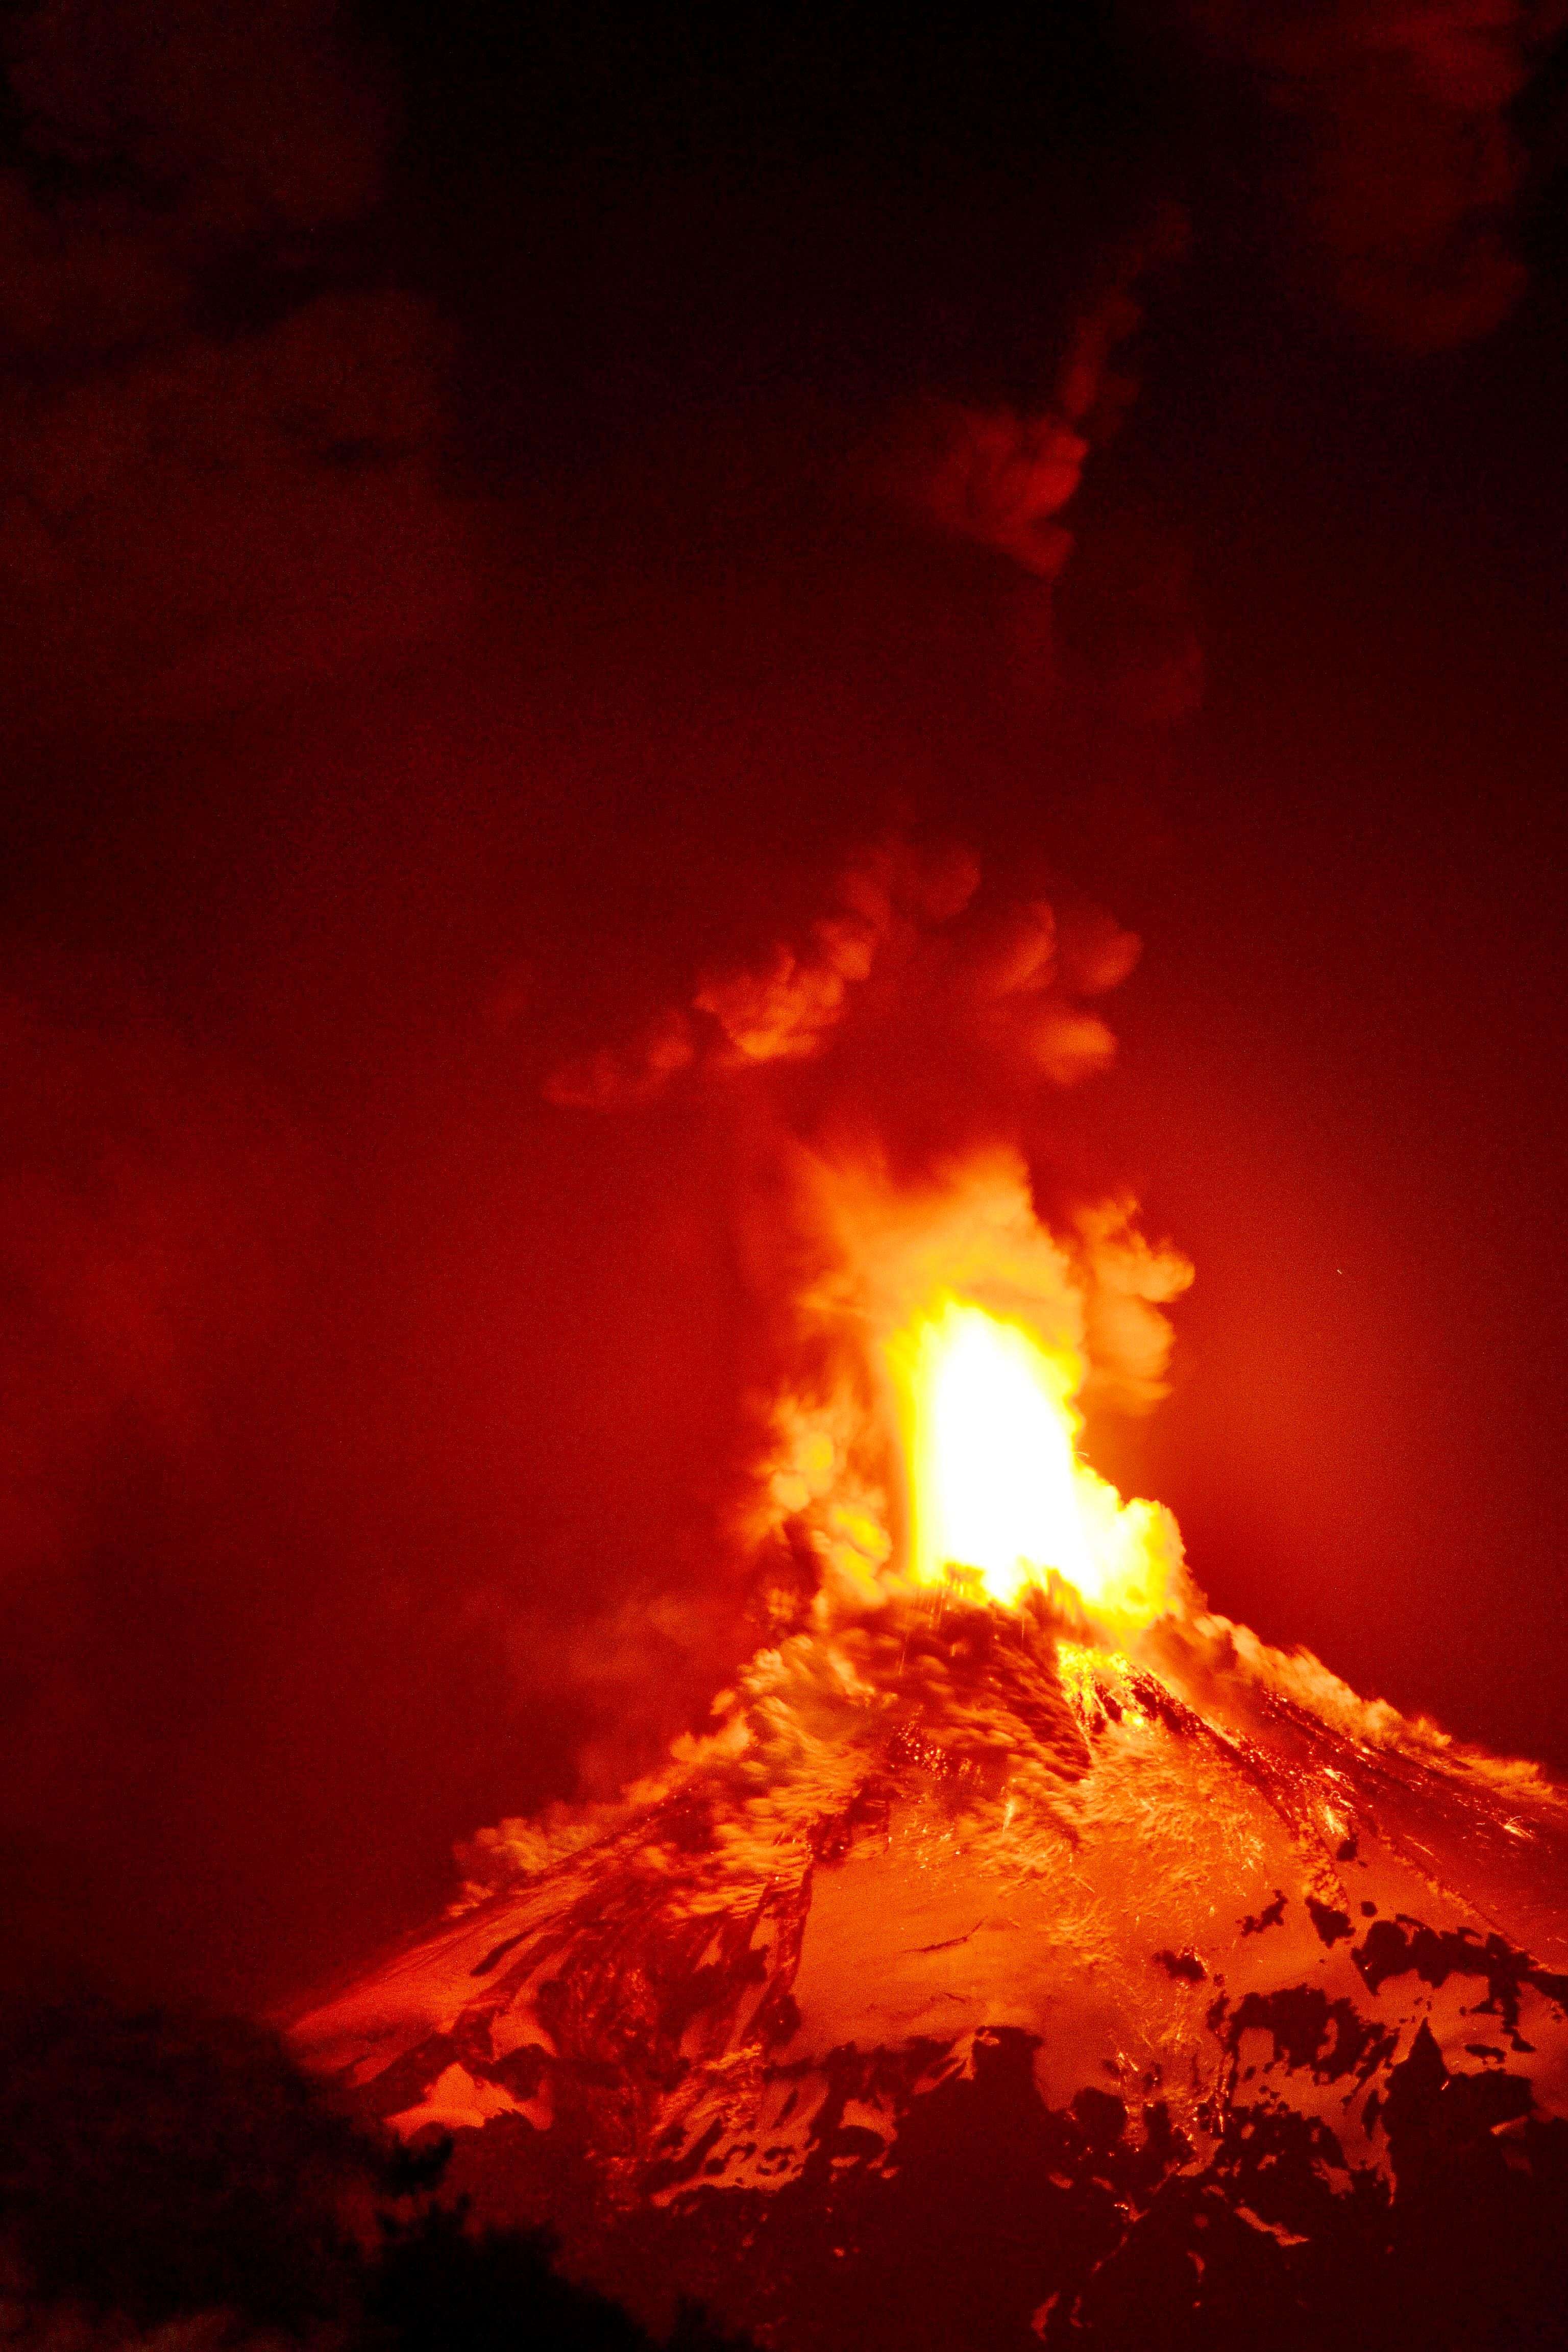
<point x="972" y="1978"/>
<point x="1024" y="1952"/>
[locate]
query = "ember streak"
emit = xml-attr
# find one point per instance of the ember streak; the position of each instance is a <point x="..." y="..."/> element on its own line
<point x="595" y="613"/>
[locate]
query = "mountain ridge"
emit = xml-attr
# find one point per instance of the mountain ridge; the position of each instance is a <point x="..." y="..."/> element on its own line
<point x="955" y="1914"/>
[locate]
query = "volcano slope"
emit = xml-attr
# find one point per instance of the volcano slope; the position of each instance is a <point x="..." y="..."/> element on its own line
<point x="974" y="1983"/>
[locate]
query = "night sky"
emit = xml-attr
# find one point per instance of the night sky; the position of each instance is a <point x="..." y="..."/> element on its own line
<point x="461" y="581"/>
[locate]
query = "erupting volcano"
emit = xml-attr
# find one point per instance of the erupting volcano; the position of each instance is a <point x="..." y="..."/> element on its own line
<point x="1024" y="1952"/>
<point x="596" y="603"/>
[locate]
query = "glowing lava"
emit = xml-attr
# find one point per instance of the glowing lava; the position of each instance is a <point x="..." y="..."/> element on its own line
<point x="996" y="1487"/>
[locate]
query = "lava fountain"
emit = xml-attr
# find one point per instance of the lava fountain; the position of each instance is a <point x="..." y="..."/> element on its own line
<point x="998" y="1495"/>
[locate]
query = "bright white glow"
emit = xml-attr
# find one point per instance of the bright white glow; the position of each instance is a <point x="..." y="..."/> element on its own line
<point x="995" y="1484"/>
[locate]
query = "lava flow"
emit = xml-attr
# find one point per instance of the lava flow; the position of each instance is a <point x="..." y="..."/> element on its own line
<point x="1018" y="1922"/>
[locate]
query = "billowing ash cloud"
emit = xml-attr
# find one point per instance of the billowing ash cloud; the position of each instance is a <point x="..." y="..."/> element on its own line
<point x="910" y="979"/>
<point x="219" y="464"/>
<point x="887" y="1074"/>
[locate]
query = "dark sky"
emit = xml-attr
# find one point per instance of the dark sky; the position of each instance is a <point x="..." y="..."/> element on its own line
<point x="461" y="581"/>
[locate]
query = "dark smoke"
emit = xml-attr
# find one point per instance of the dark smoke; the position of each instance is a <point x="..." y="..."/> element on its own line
<point x="495" y="513"/>
<point x="222" y="432"/>
<point x="1401" y="160"/>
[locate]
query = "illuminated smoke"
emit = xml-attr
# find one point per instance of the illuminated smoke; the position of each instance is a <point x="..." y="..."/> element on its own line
<point x="1001" y="477"/>
<point x="888" y="1219"/>
<point x="904" y="952"/>
<point x="934" y="1428"/>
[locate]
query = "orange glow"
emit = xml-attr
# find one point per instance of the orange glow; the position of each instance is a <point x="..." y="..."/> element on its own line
<point x="996" y="1487"/>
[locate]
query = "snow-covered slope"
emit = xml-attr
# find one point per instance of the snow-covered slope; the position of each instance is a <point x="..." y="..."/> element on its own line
<point x="968" y="1968"/>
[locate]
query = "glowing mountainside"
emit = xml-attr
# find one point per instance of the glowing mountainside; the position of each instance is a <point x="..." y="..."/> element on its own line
<point x="964" y="1958"/>
<point x="1024" y="1948"/>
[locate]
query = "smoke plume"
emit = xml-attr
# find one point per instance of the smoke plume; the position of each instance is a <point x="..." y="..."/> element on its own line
<point x="221" y="434"/>
<point x="436" y="1277"/>
<point x="886" y="1075"/>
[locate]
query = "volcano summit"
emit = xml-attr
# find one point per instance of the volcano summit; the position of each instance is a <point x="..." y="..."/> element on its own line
<point x="1026" y="1953"/>
<point x="981" y="1980"/>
